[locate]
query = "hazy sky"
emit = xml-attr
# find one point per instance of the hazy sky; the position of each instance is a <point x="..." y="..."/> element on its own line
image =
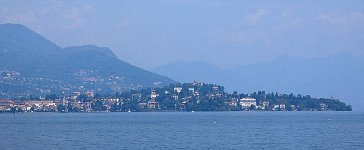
<point x="226" y="33"/>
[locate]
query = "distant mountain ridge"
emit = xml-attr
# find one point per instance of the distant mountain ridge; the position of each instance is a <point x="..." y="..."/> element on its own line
<point x="28" y="62"/>
<point x="187" y="71"/>
<point x="339" y="76"/>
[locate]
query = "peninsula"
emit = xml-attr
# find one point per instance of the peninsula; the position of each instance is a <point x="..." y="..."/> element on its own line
<point x="195" y="96"/>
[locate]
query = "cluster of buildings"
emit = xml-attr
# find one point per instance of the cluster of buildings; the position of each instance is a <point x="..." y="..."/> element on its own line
<point x="63" y="104"/>
<point x="152" y="103"/>
<point x="249" y="103"/>
<point x="27" y="106"/>
<point x="150" y="99"/>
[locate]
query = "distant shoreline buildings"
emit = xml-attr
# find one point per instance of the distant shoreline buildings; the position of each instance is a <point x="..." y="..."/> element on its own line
<point x="193" y="96"/>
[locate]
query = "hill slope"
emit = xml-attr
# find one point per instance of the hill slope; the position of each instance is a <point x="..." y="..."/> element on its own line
<point x="31" y="64"/>
<point x="339" y="76"/>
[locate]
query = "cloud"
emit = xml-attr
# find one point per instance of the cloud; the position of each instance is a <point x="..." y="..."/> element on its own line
<point x="12" y="16"/>
<point x="75" y="16"/>
<point x="56" y="13"/>
<point x="256" y="16"/>
<point x="351" y="19"/>
<point x="74" y="19"/>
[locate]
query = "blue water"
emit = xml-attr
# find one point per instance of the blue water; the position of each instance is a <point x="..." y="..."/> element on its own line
<point x="183" y="130"/>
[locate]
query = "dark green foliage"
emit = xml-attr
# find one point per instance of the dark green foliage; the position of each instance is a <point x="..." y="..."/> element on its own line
<point x="98" y="106"/>
<point x="61" y="108"/>
<point x="212" y="97"/>
<point x="194" y="97"/>
<point x="69" y="107"/>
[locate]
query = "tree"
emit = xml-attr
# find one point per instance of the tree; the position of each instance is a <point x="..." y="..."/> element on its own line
<point x="69" y="107"/>
<point x="98" y="106"/>
<point x="13" y="110"/>
<point x="115" y="107"/>
<point x="61" y="108"/>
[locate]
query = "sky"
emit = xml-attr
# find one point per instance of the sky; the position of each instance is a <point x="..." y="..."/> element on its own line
<point x="225" y="33"/>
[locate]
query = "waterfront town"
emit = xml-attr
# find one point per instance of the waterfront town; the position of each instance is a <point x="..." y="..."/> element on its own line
<point x="195" y="96"/>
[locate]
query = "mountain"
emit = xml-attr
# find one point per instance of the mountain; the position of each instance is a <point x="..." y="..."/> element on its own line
<point x="187" y="71"/>
<point x="31" y="64"/>
<point x="339" y="76"/>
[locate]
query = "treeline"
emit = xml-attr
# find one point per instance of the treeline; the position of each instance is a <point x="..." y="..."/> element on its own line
<point x="203" y="97"/>
<point x="301" y="102"/>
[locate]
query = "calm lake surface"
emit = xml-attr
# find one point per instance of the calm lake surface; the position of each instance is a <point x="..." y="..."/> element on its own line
<point x="183" y="130"/>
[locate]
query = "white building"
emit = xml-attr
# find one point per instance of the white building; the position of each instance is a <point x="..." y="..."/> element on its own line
<point x="153" y="94"/>
<point x="90" y="94"/>
<point x="266" y="104"/>
<point x="75" y="95"/>
<point x="323" y="106"/>
<point x="40" y="103"/>
<point x="234" y="102"/>
<point x="178" y="89"/>
<point x="282" y="106"/>
<point x="192" y="90"/>
<point x="275" y="107"/>
<point x="247" y="102"/>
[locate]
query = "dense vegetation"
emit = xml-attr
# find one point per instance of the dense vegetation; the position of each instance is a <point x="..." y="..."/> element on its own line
<point x="207" y="97"/>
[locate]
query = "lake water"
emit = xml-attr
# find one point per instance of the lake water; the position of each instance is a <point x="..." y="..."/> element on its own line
<point x="183" y="130"/>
